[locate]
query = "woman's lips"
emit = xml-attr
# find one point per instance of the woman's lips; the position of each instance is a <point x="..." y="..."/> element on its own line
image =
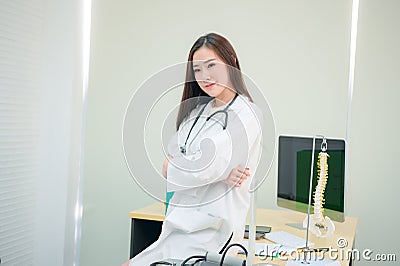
<point x="209" y="85"/>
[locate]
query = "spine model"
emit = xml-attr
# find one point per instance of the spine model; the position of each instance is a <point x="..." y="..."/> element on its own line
<point x="319" y="225"/>
<point x="319" y="199"/>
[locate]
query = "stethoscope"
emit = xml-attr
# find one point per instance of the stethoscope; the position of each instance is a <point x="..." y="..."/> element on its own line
<point x="224" y="124"/>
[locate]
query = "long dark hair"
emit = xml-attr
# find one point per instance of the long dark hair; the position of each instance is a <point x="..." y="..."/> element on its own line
<point x="221" y="46"/>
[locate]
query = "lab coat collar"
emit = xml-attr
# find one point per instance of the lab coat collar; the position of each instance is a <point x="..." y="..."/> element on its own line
<point x="240" y="103"/>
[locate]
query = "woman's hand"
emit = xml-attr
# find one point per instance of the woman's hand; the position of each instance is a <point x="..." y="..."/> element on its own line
<point x="237" y="176"/>
<point x="126" y="263"/>
<point x="165" y="167"/>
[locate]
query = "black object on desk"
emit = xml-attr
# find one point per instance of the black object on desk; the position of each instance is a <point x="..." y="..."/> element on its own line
<point x="260" y="231"/>
<point x="143" y="234"/>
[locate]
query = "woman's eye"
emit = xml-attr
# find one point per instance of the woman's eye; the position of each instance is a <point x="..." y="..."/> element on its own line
<point x="211" y="65"/>
<point x="196" y="70"/>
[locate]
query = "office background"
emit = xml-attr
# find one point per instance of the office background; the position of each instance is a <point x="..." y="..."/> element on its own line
<point x="298" y="53"/>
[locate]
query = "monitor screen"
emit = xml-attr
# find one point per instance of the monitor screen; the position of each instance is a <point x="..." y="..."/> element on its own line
<point x="294" y="169"/>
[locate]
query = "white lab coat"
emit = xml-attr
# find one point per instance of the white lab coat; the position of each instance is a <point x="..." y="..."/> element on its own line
<point x="204" y="211"/>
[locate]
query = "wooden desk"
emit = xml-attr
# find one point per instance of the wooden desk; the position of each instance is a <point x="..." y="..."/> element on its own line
<point x="146" y="227"/>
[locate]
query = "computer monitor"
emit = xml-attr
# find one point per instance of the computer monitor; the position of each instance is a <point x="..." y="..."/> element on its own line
<point x="294" y="169"/>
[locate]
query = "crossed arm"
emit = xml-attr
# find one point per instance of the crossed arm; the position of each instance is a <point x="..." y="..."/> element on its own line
<point x="235" y="178"/>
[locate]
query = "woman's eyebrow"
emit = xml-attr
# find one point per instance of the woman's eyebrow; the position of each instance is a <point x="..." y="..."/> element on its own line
<point x="205" y="62"/>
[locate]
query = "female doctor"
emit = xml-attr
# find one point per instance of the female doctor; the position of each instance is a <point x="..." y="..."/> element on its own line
<point x="212" y="156"/>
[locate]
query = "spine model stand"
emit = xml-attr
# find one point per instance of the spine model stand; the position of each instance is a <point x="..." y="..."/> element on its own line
<point x="319" y="225"/>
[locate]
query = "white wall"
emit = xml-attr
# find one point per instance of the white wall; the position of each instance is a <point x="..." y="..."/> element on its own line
<point x="373" y="176"/>
<point x="296" y="51"/>
<point x="41" y="119"/>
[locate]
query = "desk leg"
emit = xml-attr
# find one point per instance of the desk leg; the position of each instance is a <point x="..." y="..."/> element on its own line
<point x="143" y="234"/>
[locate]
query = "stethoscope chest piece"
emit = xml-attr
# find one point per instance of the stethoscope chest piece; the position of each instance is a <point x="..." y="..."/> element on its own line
<point x="183" y="149"/>
<point x="224" y="123"/>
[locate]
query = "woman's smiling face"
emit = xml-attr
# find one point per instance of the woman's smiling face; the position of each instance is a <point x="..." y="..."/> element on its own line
<point x="211" y="74"/>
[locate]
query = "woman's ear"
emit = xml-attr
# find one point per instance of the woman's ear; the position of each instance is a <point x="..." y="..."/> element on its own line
<point x="236" y="62"/>
<point x="234" y="59"/>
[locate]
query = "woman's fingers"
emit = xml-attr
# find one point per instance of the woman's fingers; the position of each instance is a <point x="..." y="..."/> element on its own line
<point x="237" y="176"/>
<point x="244" y="171"/>
<point x="241" y="175"/>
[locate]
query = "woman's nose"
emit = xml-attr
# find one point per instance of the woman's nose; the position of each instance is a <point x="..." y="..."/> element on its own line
<point x="205" y="75"/>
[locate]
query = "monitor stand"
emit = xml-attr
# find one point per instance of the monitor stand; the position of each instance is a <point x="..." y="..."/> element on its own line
<point x="296" y="225"/>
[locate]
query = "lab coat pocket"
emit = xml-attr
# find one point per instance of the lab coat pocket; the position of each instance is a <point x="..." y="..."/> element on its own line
<point x="193" y="220"/>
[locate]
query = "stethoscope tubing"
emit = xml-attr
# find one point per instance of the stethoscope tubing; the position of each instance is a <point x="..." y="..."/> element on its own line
<point x="224" y="111"/>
